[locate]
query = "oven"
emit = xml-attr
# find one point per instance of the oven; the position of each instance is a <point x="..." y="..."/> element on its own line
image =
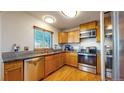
<point x="87" y="62"/>
<point x="87" y="59"/>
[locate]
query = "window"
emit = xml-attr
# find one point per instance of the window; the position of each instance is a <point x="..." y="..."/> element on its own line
<point x="43" y="39"/>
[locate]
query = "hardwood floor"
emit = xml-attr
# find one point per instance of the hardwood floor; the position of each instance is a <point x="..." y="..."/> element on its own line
<point x="68" y="73"/>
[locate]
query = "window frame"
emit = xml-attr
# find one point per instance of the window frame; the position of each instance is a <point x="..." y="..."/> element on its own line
<point x="36" y="27"/>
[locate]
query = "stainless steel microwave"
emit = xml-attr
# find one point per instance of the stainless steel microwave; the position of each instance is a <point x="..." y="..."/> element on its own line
<point x="88" y="34"/>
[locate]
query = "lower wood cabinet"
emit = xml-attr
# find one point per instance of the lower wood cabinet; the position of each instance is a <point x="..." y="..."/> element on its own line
<point x="71" y="58"/>
<point x="98" y="64"/>
<point x="62" y="59"/>
<point x="49" y="65"/>
<point x="53" y="62"/>
<point x="13" y="71"/>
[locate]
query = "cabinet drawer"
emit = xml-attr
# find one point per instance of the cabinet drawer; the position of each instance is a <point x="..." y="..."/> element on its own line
<point x="12" y="65"/>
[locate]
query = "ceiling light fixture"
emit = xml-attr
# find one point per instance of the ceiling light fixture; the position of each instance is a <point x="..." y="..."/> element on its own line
<point x="49" y="19"/>
<point x="70" y="14"/>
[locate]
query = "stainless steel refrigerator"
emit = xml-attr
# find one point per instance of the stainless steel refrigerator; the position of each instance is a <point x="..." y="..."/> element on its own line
<point x="118" y="45"/>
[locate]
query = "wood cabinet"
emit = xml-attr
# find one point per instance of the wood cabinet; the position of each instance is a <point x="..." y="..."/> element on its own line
<point x="58" y="62"/>
<point x="73" y="36"/>
<point x="98" y="33"/>
<point x="107" y="21"/>
<point x="98" y="63"/>
<point x="49" y="65"/>
<point x="62" y="37"/>
<point x="71" y="59"/>
<point x="13" y="71"/>
<point x="69" y="37"/>
<point x="53" y="62"/>
<point x="88" y="26"/>
<point x="63" y="58"/>
<point x="67" y="58"/>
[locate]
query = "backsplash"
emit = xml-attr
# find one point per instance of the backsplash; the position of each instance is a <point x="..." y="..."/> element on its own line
<point x="84" y="43"/>
<point x="90" y="42"/>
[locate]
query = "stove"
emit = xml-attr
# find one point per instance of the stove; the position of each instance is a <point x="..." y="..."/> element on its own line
<point x="87" y="61"/>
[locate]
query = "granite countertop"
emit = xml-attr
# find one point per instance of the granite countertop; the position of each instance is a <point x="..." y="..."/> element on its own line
<point x="13" y="56"/>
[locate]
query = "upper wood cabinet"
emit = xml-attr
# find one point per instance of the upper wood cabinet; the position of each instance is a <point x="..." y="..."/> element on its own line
<point x="13" y="71"/>
<point x="107" y="21"/>
<point x="98" y="33"/>
<point x="73" y="36"/>
<point x="68" y="37"/>
<point x="62" y="37"/>
<point x="88" y="26"/>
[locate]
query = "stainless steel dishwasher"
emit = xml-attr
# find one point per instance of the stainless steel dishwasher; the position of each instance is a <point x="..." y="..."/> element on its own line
<point x="34" y="69"/>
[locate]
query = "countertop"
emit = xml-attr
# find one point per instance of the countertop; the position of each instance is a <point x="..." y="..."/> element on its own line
<point x="13" y="56"/>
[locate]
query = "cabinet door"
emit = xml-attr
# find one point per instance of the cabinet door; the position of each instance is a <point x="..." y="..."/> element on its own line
<point x="83" y="27"/>
<point x="88" y="26"/>
<point x="13" y="71"/>
<point x="58" y="58"/>
<point x="65" y="37"/>
<point x="63" y="59"/>
<point x="67" y="58"/>
<point x="92" y="25"/>
<point x="56" y="61"/>
<point x="70" y="37"/>
<point x="49" y="64"/>
<point x="107" y="21"/>
<point x="62" y="37"/>
<point x="73" y="59"/>
<point x="73" y="36"/>
<point x="98" y="34"/>
<point x="98" y="64"/>
<point x="76" y="36"/>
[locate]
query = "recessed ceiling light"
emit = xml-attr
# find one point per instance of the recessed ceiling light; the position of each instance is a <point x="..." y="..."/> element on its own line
<point x="70" y="14"/>
<point x="49" y="19"/>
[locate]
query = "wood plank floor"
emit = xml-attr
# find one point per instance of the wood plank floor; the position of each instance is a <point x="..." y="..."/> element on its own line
<point x="68" y="73"/>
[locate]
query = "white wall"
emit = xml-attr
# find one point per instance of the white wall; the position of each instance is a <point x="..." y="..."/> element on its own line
<point x="17" y="27"/>
<point x="90" y="42"/>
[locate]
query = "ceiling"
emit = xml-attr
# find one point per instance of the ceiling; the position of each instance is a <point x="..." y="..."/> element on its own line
<point x="63" y="22"/>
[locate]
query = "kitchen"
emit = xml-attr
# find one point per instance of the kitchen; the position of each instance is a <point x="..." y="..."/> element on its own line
<point x="36" y="50"/>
